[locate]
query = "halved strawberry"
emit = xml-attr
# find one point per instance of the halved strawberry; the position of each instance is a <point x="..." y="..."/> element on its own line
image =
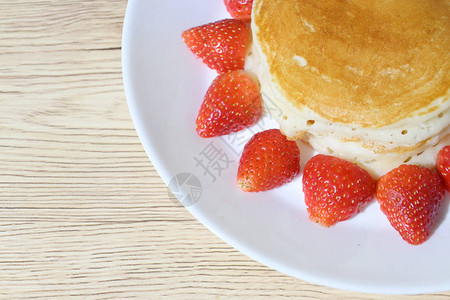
<point x="335" y="189"/>
<point x="221" y="45"/>
<point x="443" y="165"/>
<point x="232" y="103"/>
<point x="410" y="197"/>
<point x="239" y="9"/>
<point x="268" y="160"/>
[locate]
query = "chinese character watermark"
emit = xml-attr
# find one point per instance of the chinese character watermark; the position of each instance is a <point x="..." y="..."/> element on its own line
<point x="270" y="107"/>
<point x="236" y="141"/>
<point x="213" y="161"/>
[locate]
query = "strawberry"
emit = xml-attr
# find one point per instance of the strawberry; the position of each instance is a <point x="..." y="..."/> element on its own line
<point x="443" y="165"/>
<point x="335" y="189"/>
<point x="221" y="45"/>
<point x="268" y="160"/>
<point x="410" y="197"/>
<point x="239" y="9"/>
<point x="232" y="103"/>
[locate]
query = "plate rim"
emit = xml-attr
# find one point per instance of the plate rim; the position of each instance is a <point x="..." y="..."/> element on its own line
<point x="156" y="160"/>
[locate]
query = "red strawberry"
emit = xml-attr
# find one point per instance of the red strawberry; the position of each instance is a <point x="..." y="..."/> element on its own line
<point x="268" y="160"/>
<point x="232" y="103"/>
<point x="410" y="197"/>
<point x="239" y="9"/>
<point x="443" y="165"/>
<point x="221" y="45"/>
<point x="335" y="189"/>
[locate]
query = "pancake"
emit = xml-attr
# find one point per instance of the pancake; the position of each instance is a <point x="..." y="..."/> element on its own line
<point x="367" y="81"/>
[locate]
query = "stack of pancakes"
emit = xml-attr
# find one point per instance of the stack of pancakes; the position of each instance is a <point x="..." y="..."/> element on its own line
<point x="364" y="80"/>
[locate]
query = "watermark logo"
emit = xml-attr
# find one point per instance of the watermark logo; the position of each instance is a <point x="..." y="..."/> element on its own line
<point x="185" y="189"/>
<point x="213" y="160"/>
<point x="217" y="157"/>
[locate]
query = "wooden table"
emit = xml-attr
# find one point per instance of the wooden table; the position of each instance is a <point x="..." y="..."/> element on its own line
<point x="83" y="213"/>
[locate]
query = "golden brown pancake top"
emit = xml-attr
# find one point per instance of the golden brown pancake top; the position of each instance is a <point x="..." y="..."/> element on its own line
<point x="364" y="62"/>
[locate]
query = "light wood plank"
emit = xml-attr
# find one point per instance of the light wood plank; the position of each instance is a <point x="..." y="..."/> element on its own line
<point x="83" y="213"/>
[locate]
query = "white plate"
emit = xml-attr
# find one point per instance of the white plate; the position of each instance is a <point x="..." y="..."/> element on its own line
<point x="165" y="85"/>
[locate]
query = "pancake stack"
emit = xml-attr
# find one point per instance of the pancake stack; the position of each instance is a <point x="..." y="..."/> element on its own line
<point x="367" y="81"/>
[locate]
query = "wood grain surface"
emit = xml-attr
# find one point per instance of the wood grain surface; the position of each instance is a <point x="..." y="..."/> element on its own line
<point x="83" y="213"/>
